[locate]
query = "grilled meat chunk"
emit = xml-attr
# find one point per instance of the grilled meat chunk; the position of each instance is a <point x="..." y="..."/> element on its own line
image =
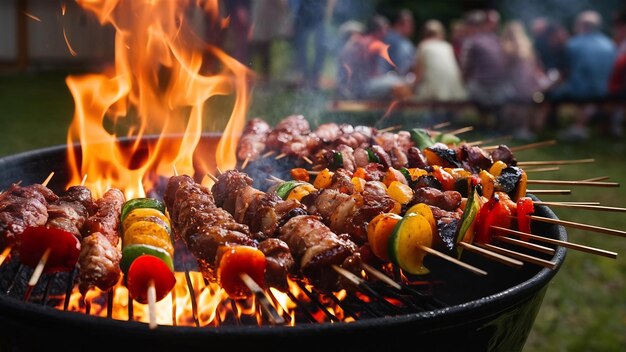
<point x="98" y="263"/>
<point x="252" y="142"/>
<point x="448" y="200"/>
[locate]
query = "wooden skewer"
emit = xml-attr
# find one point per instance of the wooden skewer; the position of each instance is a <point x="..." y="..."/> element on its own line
<point x="543" y="169"/>
<point x="581" y="206"/>
<point x="599" y="178"/>
<point x="265" y="302"/>
<point x="491" y="255"/>
<point x="5" y="254"/>
<point x="309" y="161"/>
<point x="580" y="203"/>
<point x="219" y="171"/>
<point x="175" y="170"/>
<point x="549" y="191"/>
<point x="535" y="247"/>
<point x="212" y="177"/>
<point x="580" y="226"/>
<point x="461" y="130"/>
<point x="573" y="183"/>
<point x="47" y="180"/>
<point x="245" y="163"/>
<point x="313" y="172"/>
<point x="556" y="162"/>
<point x="532" y="145"/>
<point x="565" y="244"/>
<point x="348" y="275"/>
<point x="152" y="323"/>
<point x="523" y="257"/>
<point x="277" y="179"/>
<point x="390" y="128"/>
<point x="280" y="156"/>
<point x="471" y="268"/>
<point x="440" y="125"/>
<point x="380" y="276"/>
<point x="34" y="278"/>
<point x="270" y="153"/>
<point x="82" y="182"/>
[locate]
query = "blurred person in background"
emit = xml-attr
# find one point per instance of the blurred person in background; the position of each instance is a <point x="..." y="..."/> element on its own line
<point x="590" y="55"/>
<point x="617" y="82"/>
<point x="311" y="17"/>
<point x="401" y="49"/>
<point x="525" y="79"/>
<point x="239" y="28"/>
<point x="437" y="73"/>
<point x="269" y="19"/>
<point x="458" y="33"/>
<point x="357" y="63"/>
<point x="482" y="66"/>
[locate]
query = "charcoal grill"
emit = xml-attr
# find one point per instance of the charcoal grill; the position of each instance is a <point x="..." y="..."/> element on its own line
<point x="458" y="311"/>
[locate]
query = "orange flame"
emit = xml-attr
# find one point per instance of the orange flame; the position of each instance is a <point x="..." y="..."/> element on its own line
<point x="157" y="89"/>
<point x="382" y="50"/>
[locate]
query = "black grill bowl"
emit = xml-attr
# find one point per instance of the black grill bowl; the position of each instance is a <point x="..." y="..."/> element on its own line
<point x="496" y="316"/>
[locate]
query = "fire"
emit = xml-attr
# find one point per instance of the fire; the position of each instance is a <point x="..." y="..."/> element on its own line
<point x="206" y="304"/>
<point x="381" y="49"/>
<point x="158" y="89"/>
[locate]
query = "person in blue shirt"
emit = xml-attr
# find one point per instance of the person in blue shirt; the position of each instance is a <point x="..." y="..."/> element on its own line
<point x="401" y="48"/>
<point x="589" y="56"/>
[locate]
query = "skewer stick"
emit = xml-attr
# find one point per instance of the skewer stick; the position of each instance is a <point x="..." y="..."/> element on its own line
<point x="280" y="156"/>
<point x="491" y="140"/>
<point x="440" y="125"/>
<point x="461" y="130"/>
<point x="276" y="179"/>
<point x="175" y="170"/>
<point x="556" y="162"/>
<point x="270" y="153"/>
<point x="491" y="255"/>
<point x="47" y="180"/>
<point x="348" y="275"/>
<point x="593" y="179"/>
<point x="471" y="268"/>
<point x="245" y="163"/>
<point x="309" y="161"/>
<point x="313" y="172"/>
<point x="549" y="191"/>
<point x="580" y="226"/>
<point x="570" y="245"/>
<point x="573" y="183"/>
<point x="520" y="243"/>
<point x="5" y="254"/>
<point x="265" y="302"/>
<point x="524" y="257"/>
<point x="39" y="268"/>
<point x="82" y="182"/>
<point x="390" y="128"/>
<point x="543" y="169"/>
<point x="580" y="203"/>
<point x="380" y="276"/>
<point x="152" y="305"/>
<point x="532" y="145"/>
<point x="212" y="177"/>
<point x="581" y="206"/>
<point x="219" y="171"/>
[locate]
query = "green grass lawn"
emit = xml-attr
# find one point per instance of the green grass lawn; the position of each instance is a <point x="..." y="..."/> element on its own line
<point x="585" y="306"/>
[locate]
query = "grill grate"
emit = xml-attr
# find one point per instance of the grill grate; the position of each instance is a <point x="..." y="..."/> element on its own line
<point x="369" y="300"/>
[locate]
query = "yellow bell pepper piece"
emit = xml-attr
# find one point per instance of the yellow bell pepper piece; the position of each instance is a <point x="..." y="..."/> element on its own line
<point x="400" y="192"/>
<point x="359" y="184"/>
<point x="488" y="182"/>
<point x="300" y="191"/>
<point x="324" y="179"/>
<point x="379" y="230"/>
<point x="141" y="214"/>
<point x="151" y="233"/>
<point x="521" y="187"/>
<point x="425" y="211"/>
<point x="497" y="168"/>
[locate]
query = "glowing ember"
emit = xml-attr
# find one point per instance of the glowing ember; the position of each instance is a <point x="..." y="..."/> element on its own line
<point x="158" y="87"/>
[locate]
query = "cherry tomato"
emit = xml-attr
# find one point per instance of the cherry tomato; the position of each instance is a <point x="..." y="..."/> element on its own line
<point x="64" y="248"/>
<point x="237" y="260"/>
<point x="142" y="271"/>
<point x="525" y="207"/>
<point x="492" y="213"/>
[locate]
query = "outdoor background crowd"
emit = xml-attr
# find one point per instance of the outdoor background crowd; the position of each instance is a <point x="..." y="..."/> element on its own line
<point x="514" y="72"/>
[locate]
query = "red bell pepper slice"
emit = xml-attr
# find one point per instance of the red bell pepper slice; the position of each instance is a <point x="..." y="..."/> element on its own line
<point x="35" y="241"/>
<point x="492" y="213"/>
<point x="235" y="261"/>
<point x="146" y="269"/>
<point x="525" y="207"/>
<point x="444" y="177"/>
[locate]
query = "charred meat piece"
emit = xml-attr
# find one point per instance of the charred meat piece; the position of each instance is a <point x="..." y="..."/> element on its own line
<point x="316" y="248"/>
<point x="201" y="224"/>
<point x="252" y="142"/>
<point x="99" y="260"/>
<point x="279" y="262"/>
<point x="285" y="130"/>
<point x="21" y="207"/>
<point x="98" y="263"/>
<point x="474" y="158"/>
<point x="383" y="158"/>
<point x="107" y="219"/>
<point x="504" y="154"/>
<point x="416" y="158"/>
<point x="448" y="200"/>
<point x="398" y="158"/>
<point x="427" y="181"/>
<point x="71" y="211"/>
